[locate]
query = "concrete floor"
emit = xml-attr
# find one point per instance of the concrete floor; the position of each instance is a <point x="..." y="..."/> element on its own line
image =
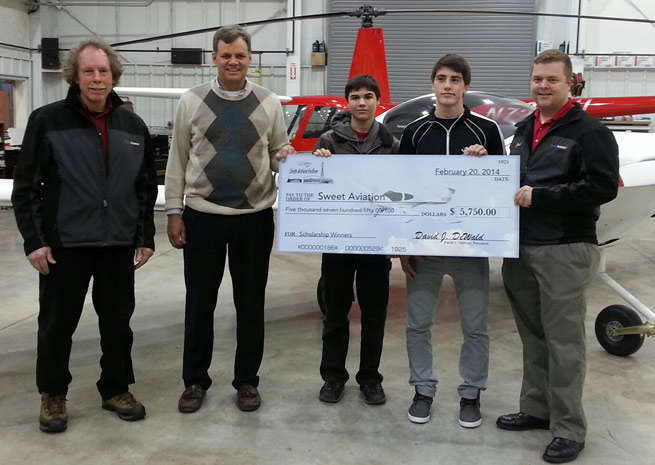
<point x="293" y="427"/>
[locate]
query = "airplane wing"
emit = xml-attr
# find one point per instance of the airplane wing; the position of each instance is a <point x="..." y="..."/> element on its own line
<point x="6" y="186"/>
<point x="163" y="92"/>
<point x="635" y="201"/>
<point x="635" y="147"/>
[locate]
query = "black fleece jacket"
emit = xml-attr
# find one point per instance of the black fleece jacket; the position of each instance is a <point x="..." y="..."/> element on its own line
<point x="573" y="170"/>
<point x="65" y="195"/>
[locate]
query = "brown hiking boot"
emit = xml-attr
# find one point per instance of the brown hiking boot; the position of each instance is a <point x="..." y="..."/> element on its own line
<point x="53" y="417"/>
<point x="126" y="407"/>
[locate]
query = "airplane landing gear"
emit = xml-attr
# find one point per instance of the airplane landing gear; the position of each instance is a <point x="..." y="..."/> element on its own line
<point x="618" y="330"/>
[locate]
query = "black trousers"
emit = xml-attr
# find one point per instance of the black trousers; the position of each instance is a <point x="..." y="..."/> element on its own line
<point x="371" y="276"/>
<point x="247" y="240"/>
<point x="61" y="296"/>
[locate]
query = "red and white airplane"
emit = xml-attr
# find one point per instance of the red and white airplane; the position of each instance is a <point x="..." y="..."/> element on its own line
<point x="619" y="328"/>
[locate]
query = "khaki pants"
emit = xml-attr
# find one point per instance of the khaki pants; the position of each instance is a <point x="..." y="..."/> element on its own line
<point x="545" y="286"/>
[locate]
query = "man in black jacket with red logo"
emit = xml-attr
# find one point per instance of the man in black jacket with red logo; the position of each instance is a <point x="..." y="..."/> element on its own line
<point x="569" y="167"/>
<point x="83" y="197"/>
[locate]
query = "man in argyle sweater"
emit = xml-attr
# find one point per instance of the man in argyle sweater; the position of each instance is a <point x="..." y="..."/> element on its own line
<point x="228" y="137"/>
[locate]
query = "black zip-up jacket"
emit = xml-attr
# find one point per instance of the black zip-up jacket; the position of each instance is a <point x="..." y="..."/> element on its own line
<point x="65" y="196"/>
<point x="573" y="170"/>
<point x="341" y="139"/>
<point x="429" y="136"/>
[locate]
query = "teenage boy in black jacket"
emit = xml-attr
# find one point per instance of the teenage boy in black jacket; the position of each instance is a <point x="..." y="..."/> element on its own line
<point x="356" y="132"/>
<point x="451" y="130"/>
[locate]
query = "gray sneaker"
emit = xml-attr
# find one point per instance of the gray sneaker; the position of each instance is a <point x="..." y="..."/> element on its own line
<point x="469" y="412"/>
<point x="419" y="411"/>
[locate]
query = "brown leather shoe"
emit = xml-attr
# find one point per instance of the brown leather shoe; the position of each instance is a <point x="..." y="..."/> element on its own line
<point x="191" y="399"/>
<point x="248" y="398"/>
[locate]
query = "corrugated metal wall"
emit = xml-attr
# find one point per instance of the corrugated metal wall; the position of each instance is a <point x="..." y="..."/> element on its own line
<point x="499" y="48"/>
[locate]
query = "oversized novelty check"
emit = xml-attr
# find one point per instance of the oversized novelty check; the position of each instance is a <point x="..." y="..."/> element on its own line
<point x="399" y="205"/>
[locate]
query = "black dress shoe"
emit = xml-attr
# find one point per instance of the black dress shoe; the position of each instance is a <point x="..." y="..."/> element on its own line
<point x="521" y="422"/>
<point x="562" y="450"/>
<point x="373" y="393"/>
<point x="332" y="392"/>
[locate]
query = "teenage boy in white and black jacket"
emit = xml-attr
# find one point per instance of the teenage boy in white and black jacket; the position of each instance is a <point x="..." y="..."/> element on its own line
<point x="452" y="130"/>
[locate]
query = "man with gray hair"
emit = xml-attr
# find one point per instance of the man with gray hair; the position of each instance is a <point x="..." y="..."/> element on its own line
<point x="227" y="139"/>
<point x="83" y="197"/>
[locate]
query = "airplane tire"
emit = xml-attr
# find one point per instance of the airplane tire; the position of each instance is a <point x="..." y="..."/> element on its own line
<point x="618" y="316"/>
<point x="320" y="295"/>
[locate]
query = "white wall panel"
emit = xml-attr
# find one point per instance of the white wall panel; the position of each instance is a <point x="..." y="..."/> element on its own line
<point x="605" y="37"/>
<point x="71" y="24"/>
<point x="14" y="30"/>
<point x="11" y="67"/>
<point x="167" y="16"/>
<point x="119" y="24"/>
<point x="618" y="82"/>
<point x="615" y="37"/>
<point x="14" y="25"/>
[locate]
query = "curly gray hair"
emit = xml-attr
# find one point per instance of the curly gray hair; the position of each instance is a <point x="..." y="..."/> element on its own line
<point x="71" y="63"/>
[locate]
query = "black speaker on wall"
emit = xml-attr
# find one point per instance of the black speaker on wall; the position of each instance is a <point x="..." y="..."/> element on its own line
<point x="49" y="53"/>
<point x="186" y="56"/>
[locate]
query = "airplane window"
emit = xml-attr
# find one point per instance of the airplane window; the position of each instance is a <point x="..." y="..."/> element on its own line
<point x="319" y="122"/>
<point x="292" y="116"/>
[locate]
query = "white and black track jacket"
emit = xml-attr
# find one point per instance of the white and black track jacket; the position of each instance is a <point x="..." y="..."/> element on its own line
<point x="430" y="135"/>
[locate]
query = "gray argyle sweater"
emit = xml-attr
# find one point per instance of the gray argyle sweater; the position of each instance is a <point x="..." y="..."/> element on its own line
<point x="223" y="150"/>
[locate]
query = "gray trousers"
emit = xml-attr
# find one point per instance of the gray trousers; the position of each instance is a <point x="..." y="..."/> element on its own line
<point x="471" y="277"/>
<point x="545" y="286"/>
